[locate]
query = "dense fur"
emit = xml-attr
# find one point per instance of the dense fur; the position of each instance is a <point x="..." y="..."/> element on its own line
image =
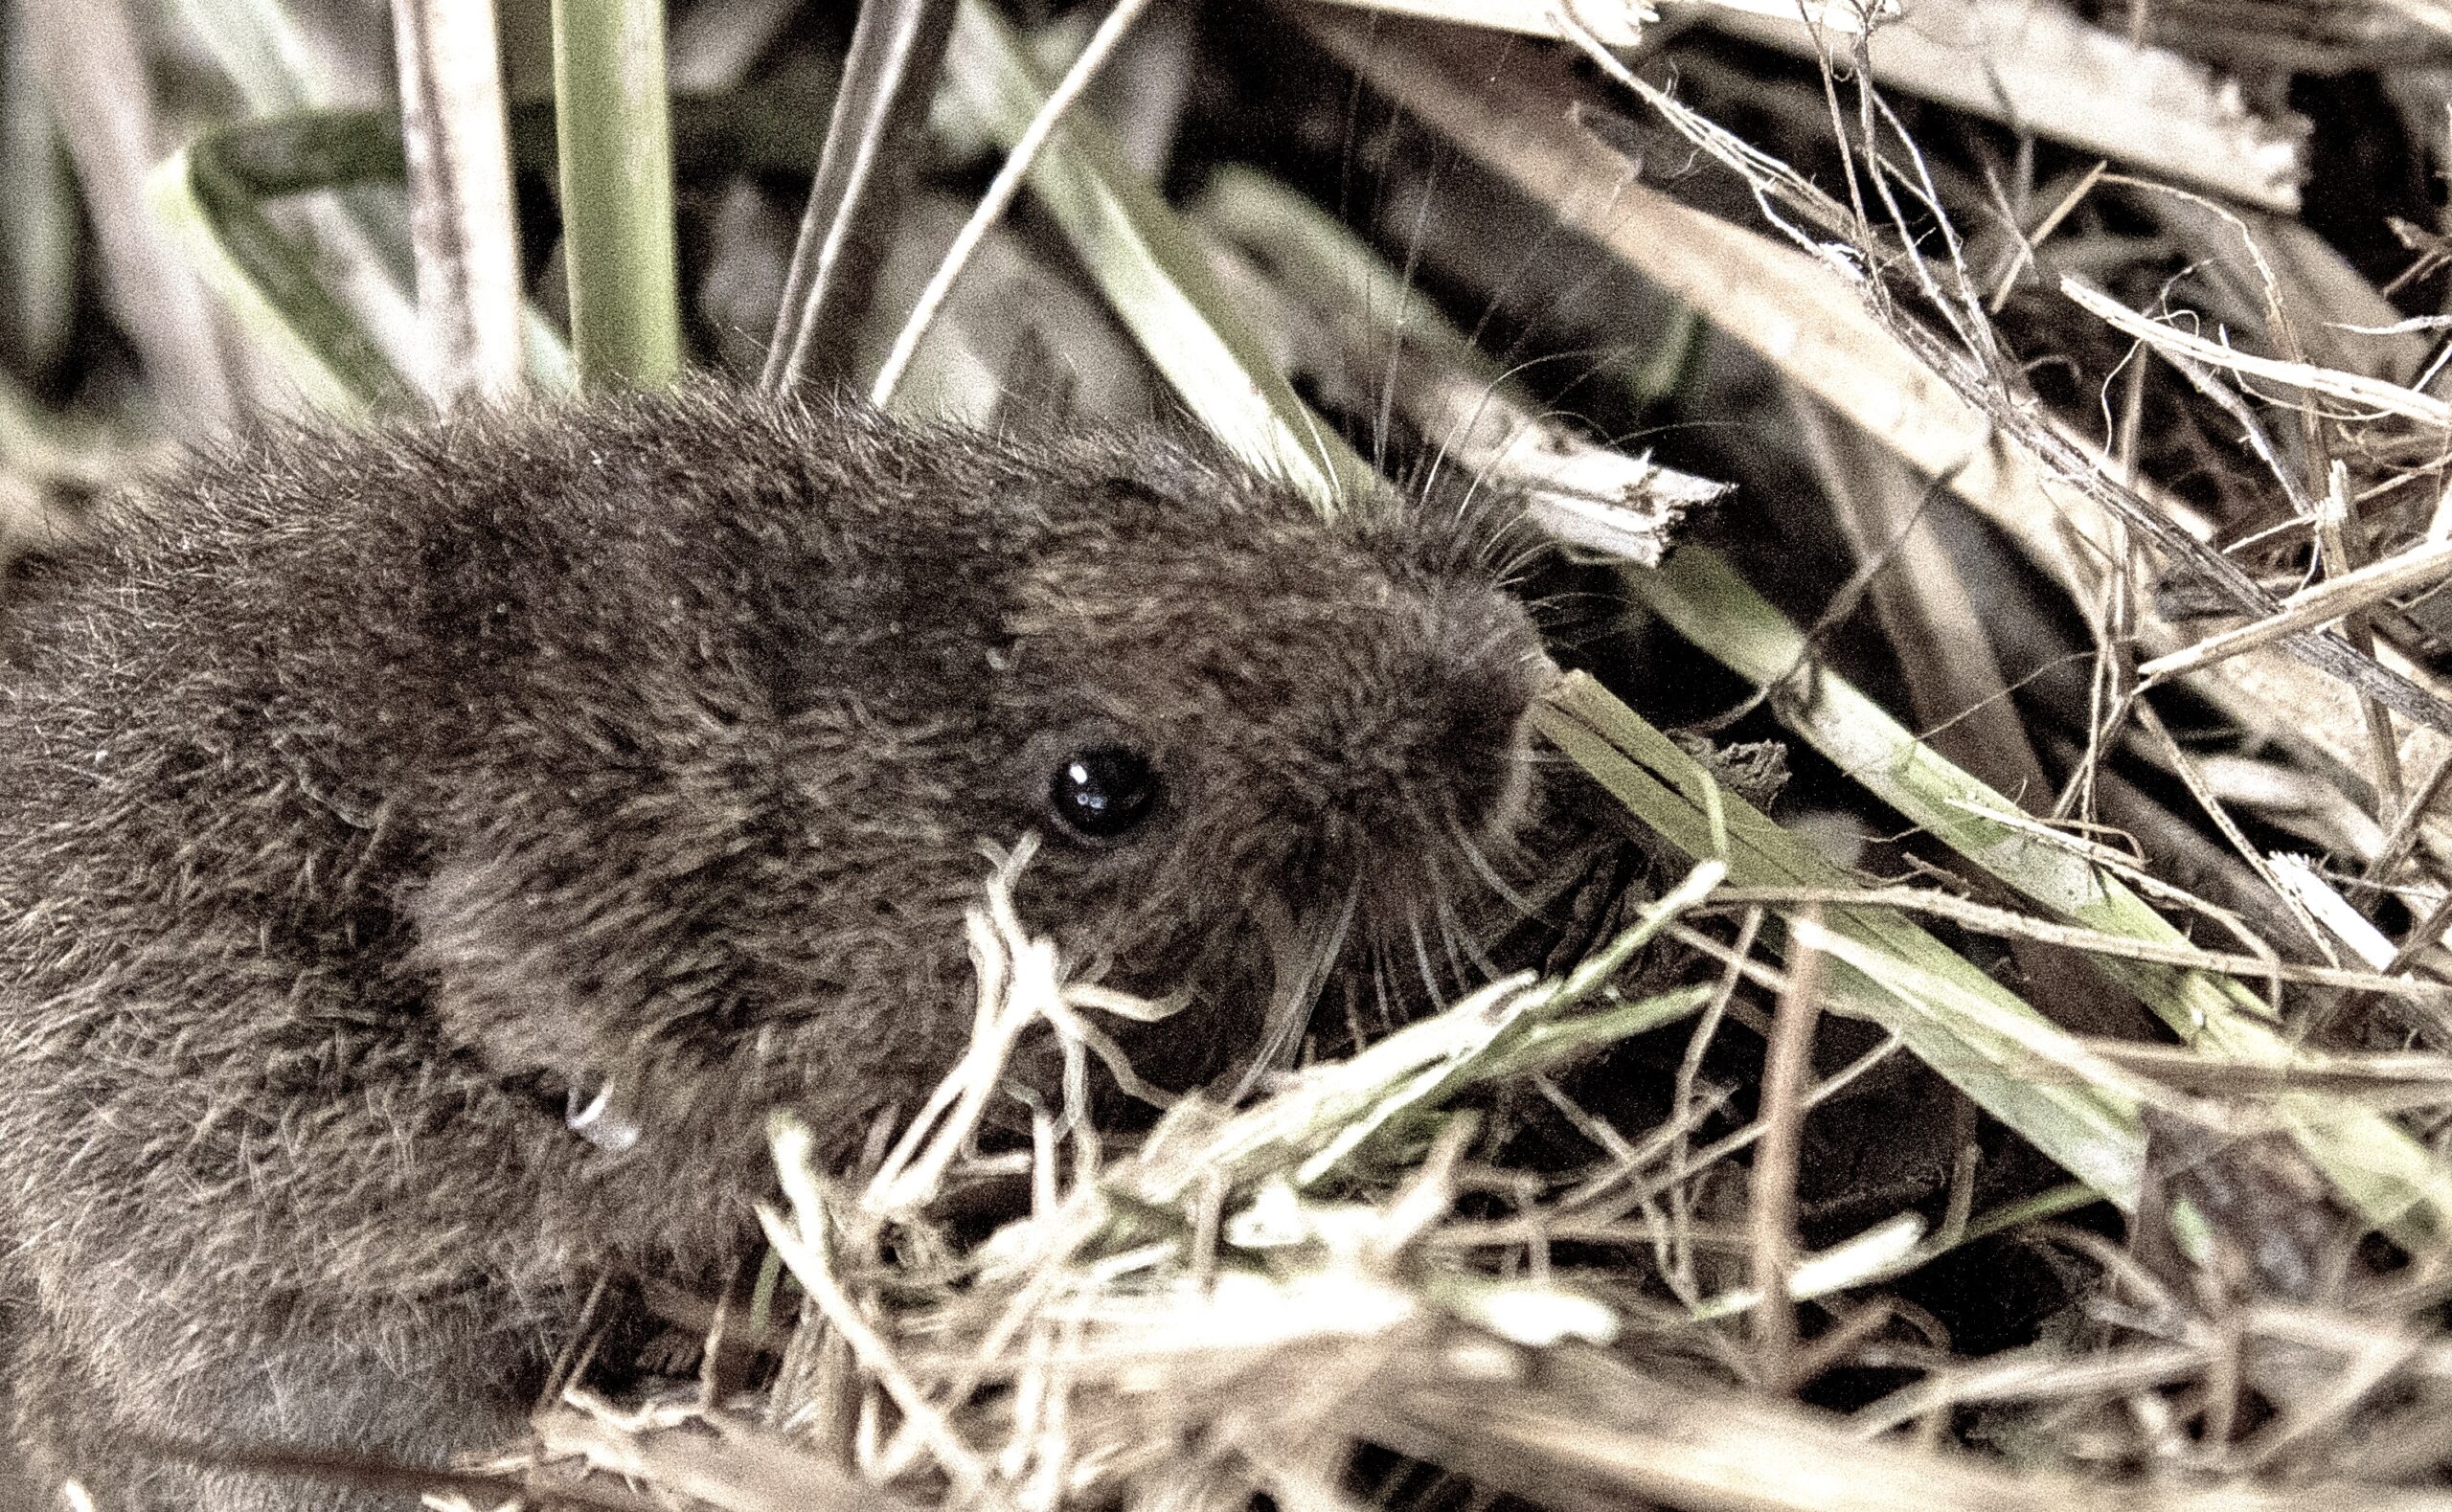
<point x="366" y="797"/>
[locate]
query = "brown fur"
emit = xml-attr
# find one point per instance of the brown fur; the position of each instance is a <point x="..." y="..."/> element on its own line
<point x="362" y="796"/>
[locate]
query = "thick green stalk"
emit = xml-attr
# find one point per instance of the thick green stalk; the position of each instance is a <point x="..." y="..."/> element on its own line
<point x="616" y="156"/>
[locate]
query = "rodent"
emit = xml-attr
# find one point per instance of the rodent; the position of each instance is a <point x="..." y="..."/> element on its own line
<point x="367" y="799"/>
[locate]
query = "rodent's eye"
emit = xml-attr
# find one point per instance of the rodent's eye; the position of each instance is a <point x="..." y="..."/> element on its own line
<point x="1102" y="792"/>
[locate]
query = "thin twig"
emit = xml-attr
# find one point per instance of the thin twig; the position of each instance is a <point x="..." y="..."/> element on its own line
<point x="2309" y="607"/>
<point x="1007" y="184"/>
<point x="1990" y="919"/>
<point x="1773" y="1220"/>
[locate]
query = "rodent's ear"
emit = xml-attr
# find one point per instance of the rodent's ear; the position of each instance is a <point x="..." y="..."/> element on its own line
<point x="1137" y="493"/>
<point x="500" y="988"/>
<point x="1172" y="472"/>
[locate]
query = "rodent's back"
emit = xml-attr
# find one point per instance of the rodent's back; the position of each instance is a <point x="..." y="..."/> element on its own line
<point x="370" y="798"/>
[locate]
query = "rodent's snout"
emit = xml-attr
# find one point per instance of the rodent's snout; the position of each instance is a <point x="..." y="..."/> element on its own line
<point x="1487" y="667"/>
<point x="1431" y="747"/>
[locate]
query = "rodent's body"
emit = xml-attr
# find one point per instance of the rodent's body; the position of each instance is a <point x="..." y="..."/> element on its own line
<point x="364" y="802"/>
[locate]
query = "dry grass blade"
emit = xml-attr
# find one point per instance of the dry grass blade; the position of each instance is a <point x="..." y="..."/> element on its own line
<point x="2343" y="546"/>
<point x="316" y="1468"/>
<point x="1569" y="1429"/>
<point x="97" y="77"/>
<point x="2268" y="969"/>
<point x="2355" y="389"/>
<point x="2410" y="1078"/>
<point x="1618" y="23"/>
<point x="863" y="176"/>
<point x="2043" y="70"/>
<point x="1151" y="270"/>
<point x="806" y="1243"/>
<point x="2042" y="1373"/>
<point x="464" y="224"/>
<point x="716" y="1461"/>
<point x="1773" y="1219"/>
<point x="1615" y="1435"/>
<point x="1007" y="183"/>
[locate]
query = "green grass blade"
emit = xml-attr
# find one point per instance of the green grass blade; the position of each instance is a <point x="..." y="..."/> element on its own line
<point x="616" y="158"/>
<point x="1149" y="267"/>
<point x="2387" y="1173"/>
<point x="269" y="283"/>
<point x="213" y="195"/>
<point x="2072" y="1104"/>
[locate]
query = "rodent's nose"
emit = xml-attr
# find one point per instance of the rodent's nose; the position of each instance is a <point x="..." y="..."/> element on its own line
<point x="1494" y="667"/>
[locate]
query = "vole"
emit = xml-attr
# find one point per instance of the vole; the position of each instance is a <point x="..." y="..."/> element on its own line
<point x="369" y="803"/>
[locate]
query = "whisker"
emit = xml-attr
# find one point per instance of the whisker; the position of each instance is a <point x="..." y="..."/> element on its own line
<point x="1451" y="933"/>
<point x="1301" y="956"/>
<point x="1422" y="960"/>
<point x="1484" y="968"/>
<point x="1384" y="987"/>
<point x="1480" y="863"/>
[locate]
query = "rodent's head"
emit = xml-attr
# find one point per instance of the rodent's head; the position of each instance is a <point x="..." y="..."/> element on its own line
<point x="1239" y="723"/>
<point x="784" y="681"/>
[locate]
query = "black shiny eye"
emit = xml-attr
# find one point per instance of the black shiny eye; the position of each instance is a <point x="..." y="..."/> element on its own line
<point x="1102" y="792"/>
